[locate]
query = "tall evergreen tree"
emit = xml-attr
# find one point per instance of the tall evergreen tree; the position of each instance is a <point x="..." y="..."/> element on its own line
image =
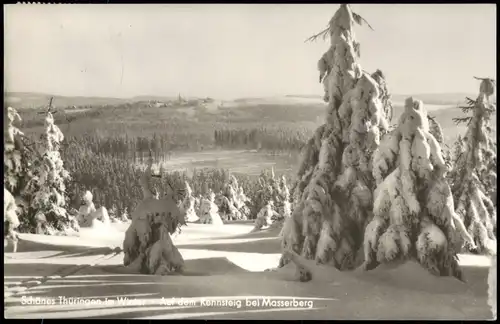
<point x="326" y="226"/>
<point x="47" y="188"/>
<point x="474" y="175"/>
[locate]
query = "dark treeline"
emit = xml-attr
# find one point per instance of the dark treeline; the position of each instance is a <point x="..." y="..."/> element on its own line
<point x="125" y="147"/>
<point x="131" y="130"/>
<point x="262" y="138"/>
<point x="136" y="148"/>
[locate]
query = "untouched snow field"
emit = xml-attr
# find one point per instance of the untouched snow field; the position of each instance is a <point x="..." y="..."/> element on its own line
<point x="248" y="162"/>
<point x="224" y="279"/>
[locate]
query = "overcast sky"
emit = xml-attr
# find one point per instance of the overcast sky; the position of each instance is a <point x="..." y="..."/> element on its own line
<point x="228" y="51"/>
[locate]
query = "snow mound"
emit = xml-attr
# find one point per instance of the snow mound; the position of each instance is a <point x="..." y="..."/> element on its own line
<point x="411" y="276"/>
<point x="98" y="236"/>
<point x="101" y="231"/>
<point x="218" y="265"/>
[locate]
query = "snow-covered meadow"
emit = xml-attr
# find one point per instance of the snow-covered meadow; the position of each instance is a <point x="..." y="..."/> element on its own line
<point x="225" y="278"/>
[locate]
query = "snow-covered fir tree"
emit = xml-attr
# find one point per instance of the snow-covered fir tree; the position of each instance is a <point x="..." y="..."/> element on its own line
<point x="86" y="211"/>
<point x="286" y="210"/>
<point x="334" y="190"/>
<point x="188" y="205"/>
<point x="197" y="205"/>
<point x="10" y="219"/>
<point x="275" y="190"/>
<point x="148" y="247"/>
<point x="13" y="166"/>
<point x="17" y="162"/>
<point x="209" y="212"/>
<point x="473" y="177"/>
<point x="232" y="201"/>
<point x="113" y="214"/>
<point x="265" y="188"/>
<point x="280" y="197"/>
<point x="125" y="216"/>
<point x="276" y="195"/>
<point x="47" y="188"/>
<point x="413" y="210"/>
<point x="265" y="217"/>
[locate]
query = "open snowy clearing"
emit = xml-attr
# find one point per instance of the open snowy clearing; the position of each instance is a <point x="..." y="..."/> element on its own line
<point x="239" y="161"/>
<point x="276" y="100"/>
<point x="225" y="264"/>
<point x="428" y="107"/>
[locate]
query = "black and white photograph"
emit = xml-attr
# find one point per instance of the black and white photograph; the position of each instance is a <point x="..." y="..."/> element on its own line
<point x="250" y="161"/>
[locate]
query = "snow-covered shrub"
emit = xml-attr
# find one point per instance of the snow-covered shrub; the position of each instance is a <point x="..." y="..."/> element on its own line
<point x="265" y="217"/>
<point x="276" y="191"/>
<point x="209" y="212"/>
<point x="265" y="189"/>
<point x="286" y="210"/>
<point x="473" y="177"/>
<point x="10" y="209"/>
<point x="87" y="210"/>
<point x="148" y="247"/>
<point x="281" y="199"/>
<point x="89" y="215"/>
<point x="334" y="179"/>
<point x="125" y="216"/>
<point x="188" y="205"/>
<point x="232" y="201"/>
<point x="413" y="211"/>
<point x="10" y="219"/>
<point x="114" y="214"/>
<point x="47" y="186"/>
<point x="197" y="205"/>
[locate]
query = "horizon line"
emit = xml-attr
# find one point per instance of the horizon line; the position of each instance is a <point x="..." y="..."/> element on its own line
<point x="202" y="97"/>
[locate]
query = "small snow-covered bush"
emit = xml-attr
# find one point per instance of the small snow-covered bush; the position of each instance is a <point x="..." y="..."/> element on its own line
<point x="188" y="205"/>
<point x="10" y="219"/>
<point x="265" y="217"/>
<point x="209" y="212"/>
<point x="89" y="215"/>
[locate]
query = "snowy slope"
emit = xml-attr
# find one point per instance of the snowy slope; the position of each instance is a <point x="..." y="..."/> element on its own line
<point x="225" y="264"/>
